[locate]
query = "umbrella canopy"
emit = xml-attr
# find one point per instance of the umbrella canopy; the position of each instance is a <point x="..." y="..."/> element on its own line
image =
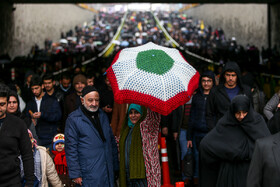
<point x="117" y="42"/>
<point x="80" y="46"/>
<point x="124" y="43"/>
<point x="154" y="76"/>
<point x="63" y="41"/>
<point x="127" y="35"/>
<point x="97" y="43"/>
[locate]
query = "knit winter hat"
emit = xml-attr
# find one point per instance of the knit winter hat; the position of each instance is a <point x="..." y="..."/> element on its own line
<point x="79" y="78"/>
<point x="88" y="89"/>
<point x="59" y="138"/>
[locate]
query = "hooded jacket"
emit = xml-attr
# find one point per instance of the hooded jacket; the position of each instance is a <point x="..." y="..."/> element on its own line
<point x="197" y="120"/>
<point x="218" y="101"/>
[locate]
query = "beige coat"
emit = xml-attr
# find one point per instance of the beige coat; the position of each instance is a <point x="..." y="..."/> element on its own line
<point x="49" y="173"/>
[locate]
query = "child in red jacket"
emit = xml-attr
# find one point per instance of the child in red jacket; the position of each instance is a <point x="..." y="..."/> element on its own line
<point x="60" y="160"/>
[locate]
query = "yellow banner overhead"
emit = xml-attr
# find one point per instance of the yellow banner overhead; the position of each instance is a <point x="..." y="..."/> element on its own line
<point x="201" y="25"/>
<point x="85" y="6"/>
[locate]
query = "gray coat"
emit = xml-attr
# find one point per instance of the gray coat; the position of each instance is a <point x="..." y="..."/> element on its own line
<point x="264" y="169"/>
<point x="271" y="106"/>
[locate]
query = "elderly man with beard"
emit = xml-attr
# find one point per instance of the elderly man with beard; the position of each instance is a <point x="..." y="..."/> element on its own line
<point x="90" y="147"/>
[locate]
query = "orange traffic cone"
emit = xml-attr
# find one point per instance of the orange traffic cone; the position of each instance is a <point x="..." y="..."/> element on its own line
<point x="180" y="184"/>
<point x="165" y="167"/>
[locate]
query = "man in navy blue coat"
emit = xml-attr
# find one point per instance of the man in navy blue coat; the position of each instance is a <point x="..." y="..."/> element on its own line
<point x="90" y="147"/>
<point x="44" y="111"/>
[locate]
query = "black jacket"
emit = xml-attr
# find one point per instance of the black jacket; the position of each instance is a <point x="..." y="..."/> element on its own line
<point x="264" y="169"/>
<point x="218" y="101"/>
<point x="58" y="95"/>
<point x="47" y="124"/>
<point x="197" y="120"/>
<point x="274" y="123"/>
<point x="14" y="141"/>
<point x="173" y="120"/>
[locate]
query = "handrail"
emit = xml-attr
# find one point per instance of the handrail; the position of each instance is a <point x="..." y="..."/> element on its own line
<point x="175" y="44"/>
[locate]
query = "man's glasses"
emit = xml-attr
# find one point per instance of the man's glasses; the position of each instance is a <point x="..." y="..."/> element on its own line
<point x="208" y="81"/>
<point x="3" y="104"/>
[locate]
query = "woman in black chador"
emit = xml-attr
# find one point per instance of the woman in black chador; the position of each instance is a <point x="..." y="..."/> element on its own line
<point x="226" y="151"/>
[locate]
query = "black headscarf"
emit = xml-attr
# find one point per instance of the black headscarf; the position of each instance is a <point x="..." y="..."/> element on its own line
<point x="253" y="123"/>
<point x="13" y="93"/>
<point x="18" y="113"/>
<point x="240" y="103"/>
<point x="225" y="151"/>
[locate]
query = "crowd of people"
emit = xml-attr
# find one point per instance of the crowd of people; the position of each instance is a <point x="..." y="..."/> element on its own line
<point x="85" y="42"/>
<point x="67" y="130"/>
<point x="200" y="38"/>
<point x="120" y="146"/>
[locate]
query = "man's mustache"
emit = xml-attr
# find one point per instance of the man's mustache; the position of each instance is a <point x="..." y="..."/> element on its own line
<point x="91" y="106"/>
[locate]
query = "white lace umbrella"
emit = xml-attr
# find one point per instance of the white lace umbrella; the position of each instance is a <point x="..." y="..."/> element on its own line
<point x="154" y="76"/>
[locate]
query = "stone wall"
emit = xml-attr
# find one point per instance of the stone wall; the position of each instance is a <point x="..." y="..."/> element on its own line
<point x="246" y="22"/>
<point x="275" y="25"/>
<point x="33" y="23"/>
<point x="6" y="25"/>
